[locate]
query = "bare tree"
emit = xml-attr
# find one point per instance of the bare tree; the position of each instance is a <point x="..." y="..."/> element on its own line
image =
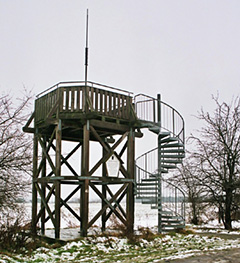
<point x="187" y="180"/>
<point x="218" y="157"/>
<point x="15" y="151"/>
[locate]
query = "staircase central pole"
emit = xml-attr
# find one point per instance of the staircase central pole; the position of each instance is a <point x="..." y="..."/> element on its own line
<point x="159" y="183"/>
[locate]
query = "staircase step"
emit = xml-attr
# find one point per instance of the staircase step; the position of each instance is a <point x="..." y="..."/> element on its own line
<point x="172" y="217"/>
<point x="155" y="129"/>
<point x="153" y="179"/>
<point x="171" y="161"/>
<point x="168" y="166"/>
<point x="140" y="189"/>
<point x="169" y="139"/>
<point x="177" y="221"/>
<point x="178" y="156"/>
<point x="164" y="212"/>
<point x="174" y="150"/>
<point x="153" y="194"/>
<point x="172" y="226"/>
<point x="164" y="134"/>
<point x="147" y="184"/>
<point x="172" y="145"/>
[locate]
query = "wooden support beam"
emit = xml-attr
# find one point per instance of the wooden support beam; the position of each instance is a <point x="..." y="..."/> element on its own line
<point x="46" y="150"/>
<point x="118" y="201"/>
<point x="67" y="157"/>
<point x="104" y="193"/>
<point x="26" y="127"/>
<point x="57" y="183"/>
<point x="131" y="171"/>
<point x="47" y="155"/>
<point x="64" y="161"/>
<point x="34" y="190"/>
<point x="46" y="201"/>
<point x="108" y="204"/>
<point x="84" y="206"/>
<point x="43" y="187"/>
<point x="108" y="155"/>
<point x="64" y="203"/>
<point x="46" y="205"/>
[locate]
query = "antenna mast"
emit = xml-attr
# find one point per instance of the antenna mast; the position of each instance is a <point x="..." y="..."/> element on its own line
<point x="86" y="51"/>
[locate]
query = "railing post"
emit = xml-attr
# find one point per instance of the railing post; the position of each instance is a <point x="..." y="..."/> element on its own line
<point x="176" y="201"/>
<point x="159" y="108"/>
<point x="173" y="121"/>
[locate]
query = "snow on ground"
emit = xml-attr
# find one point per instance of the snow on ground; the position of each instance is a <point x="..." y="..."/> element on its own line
<point x="114" y="249"/>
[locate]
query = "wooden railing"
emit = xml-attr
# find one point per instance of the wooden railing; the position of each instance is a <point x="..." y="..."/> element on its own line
<point x="83" y="99"/>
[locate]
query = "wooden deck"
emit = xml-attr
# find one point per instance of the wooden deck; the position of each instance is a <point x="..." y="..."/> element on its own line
<point x="77" y="101"/>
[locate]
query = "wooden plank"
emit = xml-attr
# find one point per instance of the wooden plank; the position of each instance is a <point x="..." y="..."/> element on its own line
<point x="110" y="104"/>
<point x="96" y="100"/>
<point x="67" y="99"/>
<point x="72" y="99"/>
<point x="105" y="103"/>
<point x="92" y="98"/>
<point x="114" y="105"/>
<point x="101" y="101"/>
<point x="119" y="106"/>
<point x="78" y="100"/>
<point x="116" y="127"/>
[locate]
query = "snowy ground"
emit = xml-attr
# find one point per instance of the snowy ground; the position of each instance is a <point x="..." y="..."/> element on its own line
<point x="115" y="249"/>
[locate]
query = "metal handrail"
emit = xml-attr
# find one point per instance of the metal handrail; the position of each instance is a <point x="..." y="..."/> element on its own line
<point x="81" y="83"/>
<point x="148" y="108"/>
<point x="148" y="174"/>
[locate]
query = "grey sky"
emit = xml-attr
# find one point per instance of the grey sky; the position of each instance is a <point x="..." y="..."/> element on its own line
<point x="184" y="49"/>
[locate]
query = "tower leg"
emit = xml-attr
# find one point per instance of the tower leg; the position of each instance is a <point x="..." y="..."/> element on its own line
<point x="57" y="183"/>
<point x="85" y="187"/>
<point x="104" y="173"/>
<point x="131" y="171"/>
<point x="34" y="190"/>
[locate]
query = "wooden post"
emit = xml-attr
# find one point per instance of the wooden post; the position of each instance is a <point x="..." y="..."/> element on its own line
<point x="131" y="170"/>
<point x="43" y="188"/>
<point x="57" y="183"/>
<point x="85" y="185"/>
<point x="104" y="174"/>
<point x="34" y="190"/>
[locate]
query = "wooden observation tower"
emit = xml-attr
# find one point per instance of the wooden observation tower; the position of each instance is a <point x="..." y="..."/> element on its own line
<point x="80" y="113"/>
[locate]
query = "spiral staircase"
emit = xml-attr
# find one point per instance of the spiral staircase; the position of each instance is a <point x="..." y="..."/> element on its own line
<point x="153" y="167"/>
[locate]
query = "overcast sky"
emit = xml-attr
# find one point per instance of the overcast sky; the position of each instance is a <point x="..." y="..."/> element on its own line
<point x="186" y="50"/>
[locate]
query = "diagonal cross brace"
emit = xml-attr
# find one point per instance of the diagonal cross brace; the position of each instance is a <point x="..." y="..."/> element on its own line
<point x="110" y="151"/>
<point x="108" y="204"/>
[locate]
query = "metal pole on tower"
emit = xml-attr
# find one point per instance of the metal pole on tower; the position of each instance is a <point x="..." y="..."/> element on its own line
<point x="86" y="51"/>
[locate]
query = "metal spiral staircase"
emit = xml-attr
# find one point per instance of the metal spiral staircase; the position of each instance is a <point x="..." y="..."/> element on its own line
<point x="154" y="166"/>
